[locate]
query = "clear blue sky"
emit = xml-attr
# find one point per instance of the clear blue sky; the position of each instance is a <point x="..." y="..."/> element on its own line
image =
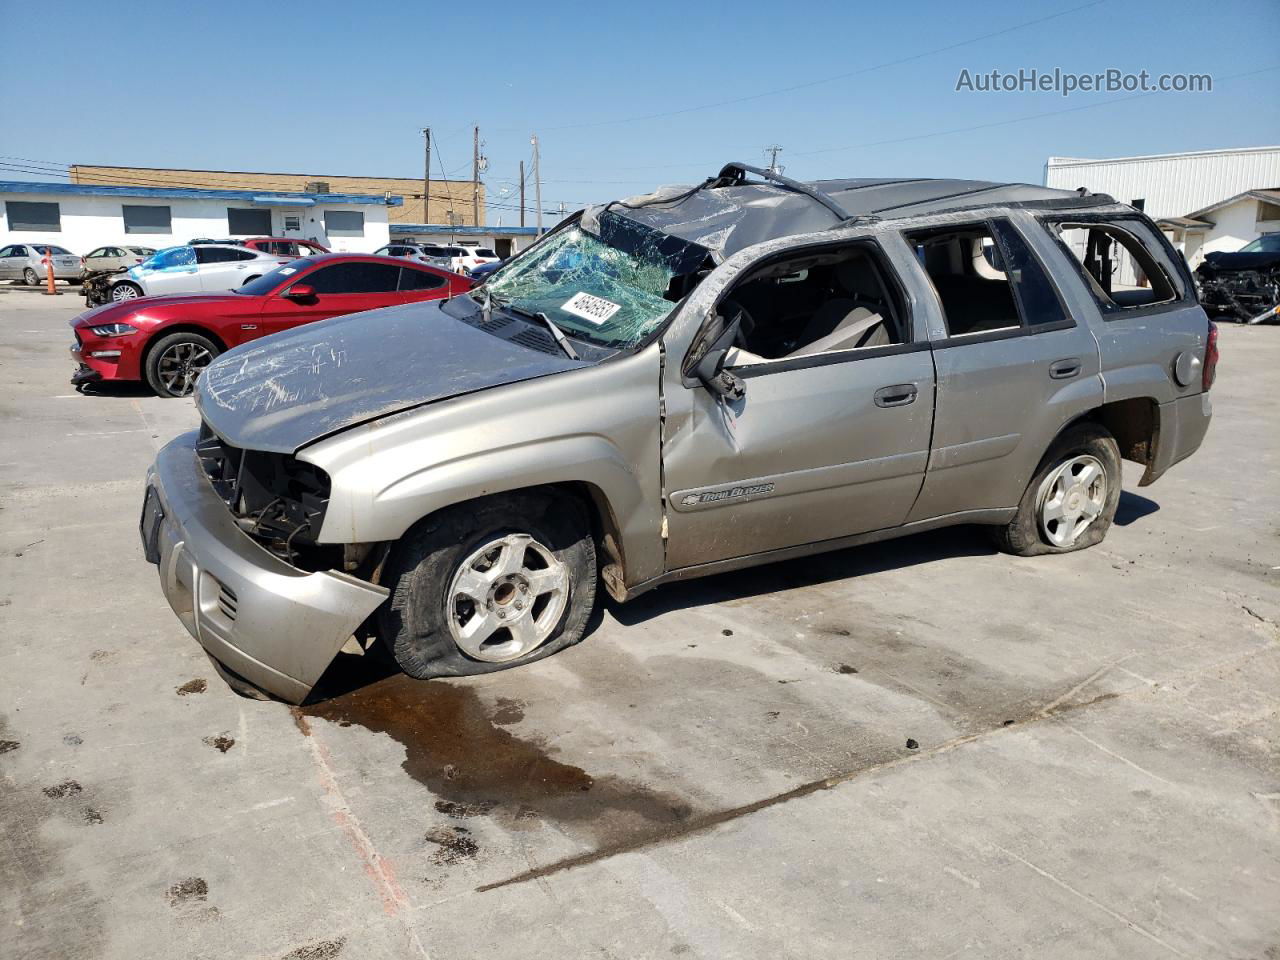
<point x="343" y="88"/>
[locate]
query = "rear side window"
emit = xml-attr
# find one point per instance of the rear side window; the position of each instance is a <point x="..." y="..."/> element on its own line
<point x="1121" y="262"/>
<point x="420" y="280"/>
<point x="355" y="278"/>
<point x="988" y="279"/>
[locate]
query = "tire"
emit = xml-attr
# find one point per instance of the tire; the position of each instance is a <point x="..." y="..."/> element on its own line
<point x="30" y="277"/>
<point x="1063" y="474"/>
<point x="445" y="559"/>
<point x="124" y="290"/>
<point x="174" y="363"/>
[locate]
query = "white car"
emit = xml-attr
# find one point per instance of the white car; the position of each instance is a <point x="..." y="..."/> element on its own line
<point x="194" y="269"/>
<point x="455" y="257"/>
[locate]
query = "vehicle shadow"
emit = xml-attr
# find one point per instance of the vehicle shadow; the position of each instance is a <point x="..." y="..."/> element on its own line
<point x="1133" y="507"/>
<point x="921" y="548"/>
<point x="125" y="389"/>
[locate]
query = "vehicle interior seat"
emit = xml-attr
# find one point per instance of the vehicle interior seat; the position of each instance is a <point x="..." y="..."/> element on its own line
<point x="854" y="319"/>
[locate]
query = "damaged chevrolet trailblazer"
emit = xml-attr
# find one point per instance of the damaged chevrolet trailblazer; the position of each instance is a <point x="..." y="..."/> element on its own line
<point x="679" y="384"/>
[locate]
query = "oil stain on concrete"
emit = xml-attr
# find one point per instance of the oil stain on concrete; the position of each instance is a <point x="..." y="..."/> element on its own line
<point x="461" y="750"/>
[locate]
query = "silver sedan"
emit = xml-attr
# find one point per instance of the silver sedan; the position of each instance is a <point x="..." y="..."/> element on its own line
<point x="25" y="262"/>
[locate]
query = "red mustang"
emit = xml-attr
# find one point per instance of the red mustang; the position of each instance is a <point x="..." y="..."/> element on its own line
<point x="167" y="341"/>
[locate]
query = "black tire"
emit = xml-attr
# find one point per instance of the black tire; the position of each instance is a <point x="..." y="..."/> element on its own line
<point x="1023" y="535"/>
<point x="156" y="377"/>
<point x="30" y="277"/>
<point x="414" y="624"/>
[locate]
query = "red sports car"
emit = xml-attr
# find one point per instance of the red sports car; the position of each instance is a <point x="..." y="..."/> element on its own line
<point x="167" y="341"/>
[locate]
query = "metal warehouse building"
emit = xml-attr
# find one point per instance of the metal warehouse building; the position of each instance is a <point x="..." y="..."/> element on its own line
<point x="81" y="217"/>
<point x="1205" y="200"/>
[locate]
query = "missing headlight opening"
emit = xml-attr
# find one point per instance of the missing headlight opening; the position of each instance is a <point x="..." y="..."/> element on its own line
<point x="276" y="499"/>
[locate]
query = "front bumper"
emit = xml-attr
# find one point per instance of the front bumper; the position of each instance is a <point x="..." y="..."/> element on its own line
<point x="275" y="625"/>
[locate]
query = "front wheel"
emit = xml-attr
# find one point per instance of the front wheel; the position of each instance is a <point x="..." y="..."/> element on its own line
<point x="125" y="291"/>
<point x="489" y="585"/>
<point x="176" y="361"/>
<point x="1070" y="502"/>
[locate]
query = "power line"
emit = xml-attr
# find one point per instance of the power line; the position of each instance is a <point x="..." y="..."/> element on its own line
<point x="831" y="79"/>
<point x="1012" y="120"/>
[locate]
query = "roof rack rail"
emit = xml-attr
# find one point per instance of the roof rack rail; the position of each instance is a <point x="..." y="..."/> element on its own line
<point x="735" y="174"/>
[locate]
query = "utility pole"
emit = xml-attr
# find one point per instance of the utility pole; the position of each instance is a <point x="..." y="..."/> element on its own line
<point x="773" y="152"/>
<point x="537" y="182"/>
<point x="426" y="176"/>
<point x="475" y="176"/>
<point x="522" y="193"/>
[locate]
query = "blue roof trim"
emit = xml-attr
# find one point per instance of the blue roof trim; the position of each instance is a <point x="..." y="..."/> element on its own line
<point x="193" y="193"/>
<point x="444" y="229"/>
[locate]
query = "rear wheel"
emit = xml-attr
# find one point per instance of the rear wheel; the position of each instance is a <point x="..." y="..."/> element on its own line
<point x="489" y="585"/>
<point x="176" y="361"/>
<point x="1070" y="502"/>
<point x="32" y="279"/>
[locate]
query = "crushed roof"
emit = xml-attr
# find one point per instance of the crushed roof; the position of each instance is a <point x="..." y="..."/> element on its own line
<point x="726" y="219"/>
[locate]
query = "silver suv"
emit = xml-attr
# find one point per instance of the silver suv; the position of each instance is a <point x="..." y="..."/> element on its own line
<point x="685" y="383"/>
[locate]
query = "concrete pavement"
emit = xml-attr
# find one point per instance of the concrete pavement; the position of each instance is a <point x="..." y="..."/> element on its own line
<point x="916" y="748"/>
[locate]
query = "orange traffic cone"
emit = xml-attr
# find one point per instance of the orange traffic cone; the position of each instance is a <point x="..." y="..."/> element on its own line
<point x="48" y="267"/>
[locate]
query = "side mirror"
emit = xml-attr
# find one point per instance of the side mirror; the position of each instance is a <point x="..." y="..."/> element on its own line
<point x="301" y="292"/>
<point x="710" y="370"/>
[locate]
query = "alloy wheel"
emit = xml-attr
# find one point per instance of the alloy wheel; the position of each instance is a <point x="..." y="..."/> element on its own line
<point x="180" y="365"/>
<point x="506" y="598"/>
<point x="123" y="291"/>
<point x="1071" y="498"/>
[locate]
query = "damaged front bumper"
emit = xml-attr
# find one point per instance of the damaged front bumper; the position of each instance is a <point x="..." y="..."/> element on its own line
<point x="275" y="625"/>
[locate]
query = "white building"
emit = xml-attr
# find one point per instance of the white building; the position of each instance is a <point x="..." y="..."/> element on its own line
<point x="82" y="217"/>
<point x="1204" y="200"/>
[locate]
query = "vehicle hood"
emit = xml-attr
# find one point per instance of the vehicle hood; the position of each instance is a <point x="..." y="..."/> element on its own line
<point x="1230" y="262"/>
<point x="142" y="308"/>
<point x="291" y="389"/>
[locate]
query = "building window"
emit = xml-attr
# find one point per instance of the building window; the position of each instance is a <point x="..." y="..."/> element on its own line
<point x="248" y="223"/>
<point x="138" y="219"/>
<point x="344" y="223"/>
<point x="34" y="217"/>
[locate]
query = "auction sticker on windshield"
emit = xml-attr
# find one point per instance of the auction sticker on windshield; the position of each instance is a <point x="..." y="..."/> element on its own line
<point x="588" y="307"/>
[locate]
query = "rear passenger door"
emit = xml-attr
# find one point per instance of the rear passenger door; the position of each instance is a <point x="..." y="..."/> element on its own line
<point x="1013" y="363"/>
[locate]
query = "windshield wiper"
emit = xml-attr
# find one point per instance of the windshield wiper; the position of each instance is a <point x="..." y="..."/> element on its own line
<point x="556" y="333"/>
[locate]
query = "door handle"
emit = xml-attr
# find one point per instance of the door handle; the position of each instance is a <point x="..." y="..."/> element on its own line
<point x="1063" y="369"/>
<point x="898" y="395"/>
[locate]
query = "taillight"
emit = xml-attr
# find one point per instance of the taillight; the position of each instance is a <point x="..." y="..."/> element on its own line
<point x="1210" y="357"/>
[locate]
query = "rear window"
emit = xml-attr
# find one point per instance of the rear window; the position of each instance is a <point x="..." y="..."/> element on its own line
<point x="1121" y="262"/>
<point x="485" y="252"/>
<point x="411" y="279"/>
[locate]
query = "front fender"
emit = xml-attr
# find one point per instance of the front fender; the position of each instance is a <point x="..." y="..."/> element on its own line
<point x="593" y="425"/>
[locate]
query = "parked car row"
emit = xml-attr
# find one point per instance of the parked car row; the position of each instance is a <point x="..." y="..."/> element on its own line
<point x="459" y="259"/>
<point x="167" y="341"/>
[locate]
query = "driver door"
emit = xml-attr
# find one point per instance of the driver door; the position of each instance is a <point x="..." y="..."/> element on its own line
<point x="818" y="447"/>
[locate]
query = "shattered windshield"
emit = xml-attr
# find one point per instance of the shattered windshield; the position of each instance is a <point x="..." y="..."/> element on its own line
<point x="613" y="288"/>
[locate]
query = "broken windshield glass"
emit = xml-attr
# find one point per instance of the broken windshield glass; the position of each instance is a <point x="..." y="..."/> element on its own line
<point x="613" y="288"/>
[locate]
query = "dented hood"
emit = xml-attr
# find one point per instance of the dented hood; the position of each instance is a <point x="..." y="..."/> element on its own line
<point x="293" y="388"/>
